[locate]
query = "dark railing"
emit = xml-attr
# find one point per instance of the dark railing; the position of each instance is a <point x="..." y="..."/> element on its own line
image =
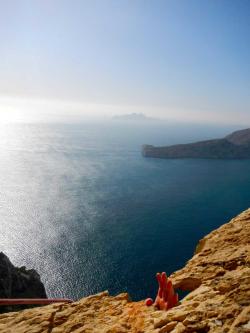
<point x="41" y="301"/>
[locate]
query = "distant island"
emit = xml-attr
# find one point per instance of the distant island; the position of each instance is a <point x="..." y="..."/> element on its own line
<point x="132" y="116"/>
<point x="234" y="146"/>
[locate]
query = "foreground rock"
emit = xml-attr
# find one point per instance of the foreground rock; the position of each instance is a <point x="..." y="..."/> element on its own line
<point x="235" y="145"/>
<point x="18" y="283"/>
<point x="219" y="279"/>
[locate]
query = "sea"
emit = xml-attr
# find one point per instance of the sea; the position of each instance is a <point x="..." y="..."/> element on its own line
<point x="81" y="205"/>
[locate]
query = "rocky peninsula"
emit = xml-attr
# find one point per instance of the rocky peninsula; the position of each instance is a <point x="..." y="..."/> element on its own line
<point x="217" y="278"/>
<point x="233" y="146"/>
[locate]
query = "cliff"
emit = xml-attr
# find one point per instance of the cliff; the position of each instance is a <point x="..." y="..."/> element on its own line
<point x="235" y="145"/>
<point x="18" y="283"/>
<point x="217" y="276"/>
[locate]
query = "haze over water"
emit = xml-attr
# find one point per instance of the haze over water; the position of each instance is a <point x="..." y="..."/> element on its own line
<point x="81" y="205"/>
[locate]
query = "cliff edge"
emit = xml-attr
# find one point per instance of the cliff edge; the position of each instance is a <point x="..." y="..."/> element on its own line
<point x="217" y="276"/>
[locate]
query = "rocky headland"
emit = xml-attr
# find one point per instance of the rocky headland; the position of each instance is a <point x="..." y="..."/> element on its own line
<point x="217" y="278"/>
<point x="18" y="282"/>
<point x="233" y="146"/>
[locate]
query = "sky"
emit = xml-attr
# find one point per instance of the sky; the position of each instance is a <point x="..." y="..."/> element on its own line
<point x="184" y="60"/>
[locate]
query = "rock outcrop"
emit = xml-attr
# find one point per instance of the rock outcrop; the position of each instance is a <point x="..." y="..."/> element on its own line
<point x="218" y="278"/>
<point x="18" y="283"/>
<point x="233" y="146"/>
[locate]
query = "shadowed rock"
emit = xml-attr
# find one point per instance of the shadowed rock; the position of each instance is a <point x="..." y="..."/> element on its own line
<point x="18" y="283"/>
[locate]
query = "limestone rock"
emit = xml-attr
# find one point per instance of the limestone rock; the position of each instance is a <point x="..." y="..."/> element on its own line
<point x="223" y="250"/>
<point x="218" y="277"/>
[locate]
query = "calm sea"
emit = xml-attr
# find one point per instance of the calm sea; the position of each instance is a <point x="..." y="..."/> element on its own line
<point x="81" y="205"/>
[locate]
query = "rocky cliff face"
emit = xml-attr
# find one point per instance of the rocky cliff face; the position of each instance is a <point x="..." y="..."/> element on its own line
<point x="239" y="137"/>
<point x="218" y="278"/>
<point x="18" y="282"/>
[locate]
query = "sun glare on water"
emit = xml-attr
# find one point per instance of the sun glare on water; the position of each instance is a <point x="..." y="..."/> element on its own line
<point x="21" y="110"/>
<point x="13" y="111"/>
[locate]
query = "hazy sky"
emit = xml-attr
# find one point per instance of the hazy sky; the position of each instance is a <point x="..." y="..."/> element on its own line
<point x="181" y="59"/>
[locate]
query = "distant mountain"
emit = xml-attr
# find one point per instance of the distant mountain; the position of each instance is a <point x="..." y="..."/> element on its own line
<point x="233" y="146"/>
<point x="132" y="116"/>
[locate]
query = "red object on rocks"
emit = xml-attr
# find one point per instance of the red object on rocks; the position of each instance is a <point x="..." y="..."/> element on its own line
<point x="166" y="297"/>
<point x="149" y="301"/>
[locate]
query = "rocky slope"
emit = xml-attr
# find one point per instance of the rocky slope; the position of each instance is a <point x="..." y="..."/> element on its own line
<point x="18" y="282"/>
<point x="235" y="145"/>
<point x="218" y="278"/>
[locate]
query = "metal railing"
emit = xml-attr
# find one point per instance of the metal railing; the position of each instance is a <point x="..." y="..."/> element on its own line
<point x="30" y="301"/>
